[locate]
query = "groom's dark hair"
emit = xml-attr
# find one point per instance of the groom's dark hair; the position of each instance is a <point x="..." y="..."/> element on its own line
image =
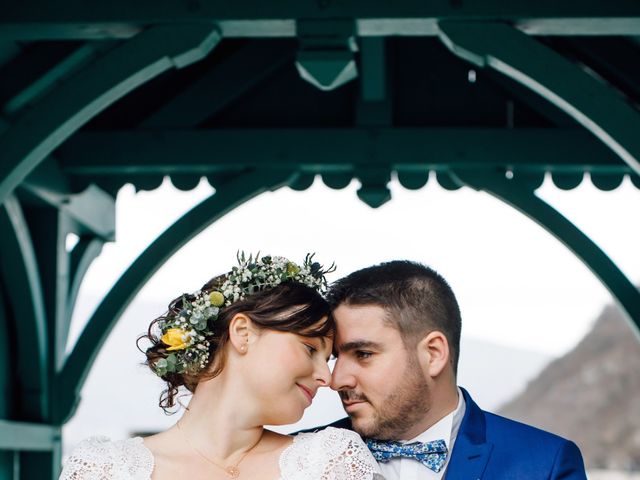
<point x="417" y="299"/>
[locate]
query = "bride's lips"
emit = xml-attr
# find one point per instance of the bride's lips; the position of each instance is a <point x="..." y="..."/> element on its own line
<point x="307" y="392"/>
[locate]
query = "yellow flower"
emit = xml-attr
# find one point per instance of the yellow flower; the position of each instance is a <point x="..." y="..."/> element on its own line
<point x="176" y="338"/>
<point x="292" y="268"/>
<point x="216" y="299"/>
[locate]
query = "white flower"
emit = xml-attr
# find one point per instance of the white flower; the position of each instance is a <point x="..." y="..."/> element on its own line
<point x="279" y="262"/>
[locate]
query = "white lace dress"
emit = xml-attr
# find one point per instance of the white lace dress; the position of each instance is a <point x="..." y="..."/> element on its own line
<point x="330" y="454"/>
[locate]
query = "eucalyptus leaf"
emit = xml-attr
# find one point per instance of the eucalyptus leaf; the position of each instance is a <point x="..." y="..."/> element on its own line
<point x="171" y="361"/>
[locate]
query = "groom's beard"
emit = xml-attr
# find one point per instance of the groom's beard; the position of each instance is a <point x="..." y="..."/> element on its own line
<point x="398" y="412"/>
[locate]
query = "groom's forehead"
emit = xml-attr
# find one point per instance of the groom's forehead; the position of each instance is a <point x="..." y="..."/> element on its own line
<point x="369" y="317"/>
<point x="368" y="312"/>
<point x="363" y="324"/>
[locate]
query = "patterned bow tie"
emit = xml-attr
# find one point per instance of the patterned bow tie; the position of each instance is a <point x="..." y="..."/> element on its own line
<point x="431" y="454"/>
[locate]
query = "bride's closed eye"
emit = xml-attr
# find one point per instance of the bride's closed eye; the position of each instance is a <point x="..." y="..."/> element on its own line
<point x="311" y="348"/>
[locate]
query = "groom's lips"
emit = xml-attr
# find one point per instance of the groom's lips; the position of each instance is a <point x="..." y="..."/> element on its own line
<point x="351" y="404"/>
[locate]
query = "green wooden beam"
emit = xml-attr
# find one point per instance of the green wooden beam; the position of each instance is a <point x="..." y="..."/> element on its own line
<point x="227" y="197"/>
<point x="49" y="228"/>
<point x="58" y="73"/>
<point x="83" y="254"/>
<point x="41" y="129"/>
<point x="28" y="436"/>
<point x="56" y="214"/>
<point x="48" y="183"/>
<point x="613" y="58"/>
<point x="326" y="57"/>
<point x="520" y="196"/>
<point x="220" y="86"/>
<point x="93" y="209"/>
<point x="374" y="109"/>
<point x="592" y="103"/>
<point x="521" y="94"/>
<point x="373" y="70"/>
<point x="25" y="299"/>
<point x="62" y="271"/>
<point x="8" y="51"/>
<point x="326" y="150"/>
<point x="39" y="19"/>
<point x="374" y="106"/>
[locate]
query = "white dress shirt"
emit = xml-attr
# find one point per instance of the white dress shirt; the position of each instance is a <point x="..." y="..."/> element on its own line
<point x="445" y="429"/>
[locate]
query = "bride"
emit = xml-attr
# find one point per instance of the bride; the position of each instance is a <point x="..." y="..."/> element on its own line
<point x="252" y="347"/>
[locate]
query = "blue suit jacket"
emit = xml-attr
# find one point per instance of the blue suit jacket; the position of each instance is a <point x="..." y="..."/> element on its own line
<point x="491" y="447"/>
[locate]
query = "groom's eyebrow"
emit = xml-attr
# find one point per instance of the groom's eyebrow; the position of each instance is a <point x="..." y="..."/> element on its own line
<point x="357" y="345"/>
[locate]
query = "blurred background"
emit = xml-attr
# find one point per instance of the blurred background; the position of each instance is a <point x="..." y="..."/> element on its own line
<point x="542" y="341"/>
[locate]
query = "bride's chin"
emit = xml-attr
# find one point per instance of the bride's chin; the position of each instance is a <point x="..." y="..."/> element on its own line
<point x="284" y="418"/>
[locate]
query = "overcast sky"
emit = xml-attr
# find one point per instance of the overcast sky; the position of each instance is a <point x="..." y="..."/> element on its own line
<point x="516" y="284"/>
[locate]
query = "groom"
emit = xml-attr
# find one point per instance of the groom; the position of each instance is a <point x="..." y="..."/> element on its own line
<point x="397" y="346"/>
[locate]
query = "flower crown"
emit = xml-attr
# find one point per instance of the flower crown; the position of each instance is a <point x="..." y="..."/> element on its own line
<point x="185" y="333"/>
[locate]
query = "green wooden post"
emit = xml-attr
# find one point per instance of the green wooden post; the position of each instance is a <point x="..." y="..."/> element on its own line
<point x="41" y="465"/>
<point x="6" y="456"/>
<point x="31" y="451"/>
<point x="24" y="296"/>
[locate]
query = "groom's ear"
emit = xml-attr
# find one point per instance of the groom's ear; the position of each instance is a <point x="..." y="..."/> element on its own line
<point x="433" y="353"/>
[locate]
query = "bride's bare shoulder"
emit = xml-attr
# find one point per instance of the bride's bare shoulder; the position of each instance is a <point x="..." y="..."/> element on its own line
<point x="161" y="442"/>
<point x="276" y="441"/>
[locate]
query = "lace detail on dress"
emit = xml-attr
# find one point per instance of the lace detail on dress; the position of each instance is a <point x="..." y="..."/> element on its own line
<point x="330" y="454"/>
<point x="97" y="458"/>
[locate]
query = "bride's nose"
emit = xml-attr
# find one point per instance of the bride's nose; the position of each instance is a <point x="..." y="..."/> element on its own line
<point x="323" y="375"/>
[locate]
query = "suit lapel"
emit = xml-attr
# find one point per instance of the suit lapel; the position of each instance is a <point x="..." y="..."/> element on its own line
<point x="471" y="451"/>
<point x="468" y="460"/>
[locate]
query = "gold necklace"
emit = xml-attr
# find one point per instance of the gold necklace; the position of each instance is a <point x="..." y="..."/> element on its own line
<point x="232" y="471"/>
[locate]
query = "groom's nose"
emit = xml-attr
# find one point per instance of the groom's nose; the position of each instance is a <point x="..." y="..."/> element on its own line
<point x="342" y="378"/>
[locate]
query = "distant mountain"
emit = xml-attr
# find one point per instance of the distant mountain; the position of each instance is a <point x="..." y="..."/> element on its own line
<point x="591" y="395"/>
<point x="495" y="373"/>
